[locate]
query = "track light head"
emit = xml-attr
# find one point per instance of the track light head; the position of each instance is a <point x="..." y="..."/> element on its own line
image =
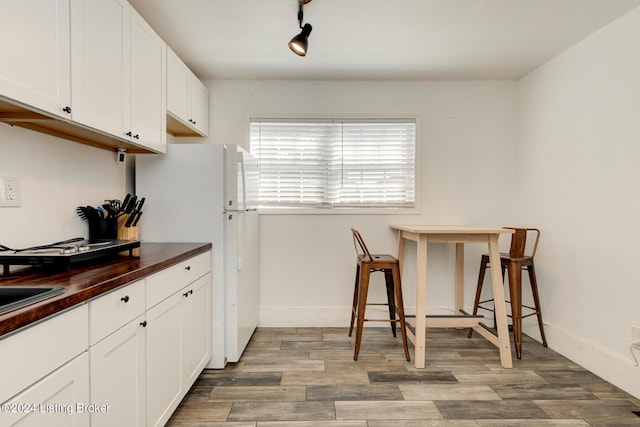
<point x="299" y="43"/>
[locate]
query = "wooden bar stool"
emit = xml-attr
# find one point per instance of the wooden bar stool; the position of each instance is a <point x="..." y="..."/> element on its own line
<point x="515" y="261"/>
<point x="367" y="264"/>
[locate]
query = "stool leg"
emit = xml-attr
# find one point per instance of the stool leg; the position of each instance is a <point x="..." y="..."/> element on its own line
<point x="483" y="267"/>
<point x="515" y="293"/>
<point x="397" y="285"/>
<point x="365" y="272"/>
<point x="354" y="306"/>
<point x="388" y="279"/>
<point x="536" y="301"/>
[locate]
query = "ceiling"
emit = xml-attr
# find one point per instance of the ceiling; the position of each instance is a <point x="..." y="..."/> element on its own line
<point x="375" y="39"/>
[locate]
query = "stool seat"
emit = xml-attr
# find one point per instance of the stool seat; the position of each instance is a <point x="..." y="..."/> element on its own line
<point x="367" y="264"/>
<point x="378" y="259"/>
<point x="514" y="262"/>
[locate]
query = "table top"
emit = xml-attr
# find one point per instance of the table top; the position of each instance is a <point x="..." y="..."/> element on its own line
<point x="450" y="229"/>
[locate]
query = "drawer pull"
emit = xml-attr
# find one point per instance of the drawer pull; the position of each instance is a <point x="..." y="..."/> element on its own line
<point x="188" y="268"/>
<point x="189" y="292"/>
<point x="125" y="298"/>
<point x="143" y="324"/>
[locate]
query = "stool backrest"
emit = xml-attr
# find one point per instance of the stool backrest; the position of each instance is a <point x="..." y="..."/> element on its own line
<point x="361" y="247"/>
<point x="519" y="242"/>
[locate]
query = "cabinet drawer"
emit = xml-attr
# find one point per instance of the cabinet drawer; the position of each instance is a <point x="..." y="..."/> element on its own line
<point x="32" y="353"/>
<point x="112" y="311"/>
<point x="165" y="283"/>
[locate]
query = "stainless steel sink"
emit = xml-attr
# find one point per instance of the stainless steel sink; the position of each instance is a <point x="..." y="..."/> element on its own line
<point x="14" y="297"/>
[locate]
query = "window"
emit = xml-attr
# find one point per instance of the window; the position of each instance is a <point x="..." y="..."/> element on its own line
<point x="335" y="163"/>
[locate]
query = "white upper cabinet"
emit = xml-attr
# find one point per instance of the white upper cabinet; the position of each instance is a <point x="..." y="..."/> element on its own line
<point x="148" y="85"/>
<point x="100" y="55"/>
<point x="91" y="71"/>
<point x="35" y="66"/>
<point x="119" y="72"/>
<point x="178" y="76"/>
<point x="187" y="100"/>
<point x="199" y="97"/>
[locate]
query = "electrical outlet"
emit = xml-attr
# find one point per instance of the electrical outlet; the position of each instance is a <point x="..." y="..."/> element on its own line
<point x="9" y="191"/>
<point x="635" y="334"/>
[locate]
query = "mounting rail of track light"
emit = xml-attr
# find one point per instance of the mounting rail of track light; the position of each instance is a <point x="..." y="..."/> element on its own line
<point x="300" y="42"/>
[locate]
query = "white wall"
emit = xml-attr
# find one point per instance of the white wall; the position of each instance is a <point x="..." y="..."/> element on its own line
<point x="56" y="176"/>
<point x="579" y="152"/>
<point x="465" y="137"/>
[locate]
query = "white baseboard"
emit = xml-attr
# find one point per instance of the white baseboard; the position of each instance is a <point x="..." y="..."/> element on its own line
<point x="617" y="369"/>
<point x="301" y="317"/>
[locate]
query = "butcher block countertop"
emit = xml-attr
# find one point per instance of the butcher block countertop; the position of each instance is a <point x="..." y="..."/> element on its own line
<point x="88" y="280"/>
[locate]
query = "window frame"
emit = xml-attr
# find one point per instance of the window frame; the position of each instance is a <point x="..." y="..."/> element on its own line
<point x="348" y="210"/>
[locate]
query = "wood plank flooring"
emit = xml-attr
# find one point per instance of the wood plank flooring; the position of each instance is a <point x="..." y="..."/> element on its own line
<point x="306" y="377"/>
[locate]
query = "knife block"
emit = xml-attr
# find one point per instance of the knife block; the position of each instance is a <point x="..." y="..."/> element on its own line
<point x="128" y="233"/>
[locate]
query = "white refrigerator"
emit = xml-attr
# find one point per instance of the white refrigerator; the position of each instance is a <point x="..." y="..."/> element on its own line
<point x="209" y="193"/>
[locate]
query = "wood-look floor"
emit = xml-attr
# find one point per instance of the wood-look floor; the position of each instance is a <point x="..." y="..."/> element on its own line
<point x="303" y="377"/>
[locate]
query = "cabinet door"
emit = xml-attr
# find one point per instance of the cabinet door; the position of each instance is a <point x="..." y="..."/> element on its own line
<point x="100" y="61"/>
<point x="59" y="399"/>
<point x="199" y="95"/>
<point x="35" y="66"/>
<point x="178" y="76"/>
<point x="164" y="385"/>
<point x="118" y="376"/>
<point x="148" y="85"/>
<point x="196" y="329"/>
<point x="50" y="343"/>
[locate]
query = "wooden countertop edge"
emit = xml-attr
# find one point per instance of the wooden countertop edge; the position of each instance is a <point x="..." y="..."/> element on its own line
<point x="89" y="281"/>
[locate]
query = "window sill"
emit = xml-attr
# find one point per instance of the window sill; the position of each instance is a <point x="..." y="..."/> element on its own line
<point x="339" y="211"/>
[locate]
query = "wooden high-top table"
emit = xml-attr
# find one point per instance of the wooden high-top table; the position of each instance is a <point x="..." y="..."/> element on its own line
<point x="424" y="234"/>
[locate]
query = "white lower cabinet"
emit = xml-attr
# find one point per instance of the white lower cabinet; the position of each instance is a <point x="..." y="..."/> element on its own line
<point x="149" y="342"/>
<point x="118" y="377"/>
<point x="195" y="311"/>
<point x="178" y="347"/>
<point x="60" y="399"/>
<point x="164" y="385"/>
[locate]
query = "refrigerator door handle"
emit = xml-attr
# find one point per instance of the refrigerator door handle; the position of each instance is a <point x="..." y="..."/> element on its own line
<point x="243" y="179"/>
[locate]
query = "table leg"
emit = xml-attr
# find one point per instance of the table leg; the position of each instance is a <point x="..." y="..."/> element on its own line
<point x="500" y="306"/>
<point x="459" y="290"/>
<point x="515" y="291"/>
<point x="421" y="303"/>
<point x="401" y="245"/>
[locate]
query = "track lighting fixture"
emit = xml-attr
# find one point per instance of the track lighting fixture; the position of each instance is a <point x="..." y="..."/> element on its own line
<point x="299" y="43"/>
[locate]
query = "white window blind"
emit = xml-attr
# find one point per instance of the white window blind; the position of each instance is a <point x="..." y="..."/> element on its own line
<point x="335" y="163"/>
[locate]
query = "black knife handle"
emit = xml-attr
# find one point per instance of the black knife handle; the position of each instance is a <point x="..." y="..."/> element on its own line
<point x="125" y="203"/>
<point x="132" y="204"/>
<point x="129" y="220"/>
<point x="135" y="222"/>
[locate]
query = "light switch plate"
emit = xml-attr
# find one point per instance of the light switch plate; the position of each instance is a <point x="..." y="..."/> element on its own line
<point x="10" y="191"/>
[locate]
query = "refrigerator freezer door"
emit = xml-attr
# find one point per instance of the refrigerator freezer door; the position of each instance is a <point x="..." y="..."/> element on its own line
<point x="242" y="179"/>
